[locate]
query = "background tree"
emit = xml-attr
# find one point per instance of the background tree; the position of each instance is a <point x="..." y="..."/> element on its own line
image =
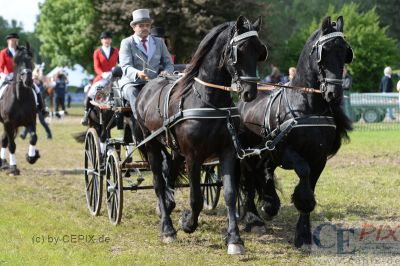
<point x="373" y="48"/>
<point x="65" y="29"/>
<point x="186" y="22"/>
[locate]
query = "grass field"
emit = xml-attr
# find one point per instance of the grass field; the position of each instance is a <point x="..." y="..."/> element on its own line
<point x="361" y="183"/>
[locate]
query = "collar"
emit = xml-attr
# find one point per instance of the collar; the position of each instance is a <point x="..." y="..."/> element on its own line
<point x="12" y="51"/>
<point x="138" y="39"/>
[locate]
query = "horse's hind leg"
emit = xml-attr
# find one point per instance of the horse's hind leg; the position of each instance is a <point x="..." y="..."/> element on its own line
<point x="33" y="154"/>
<point x="3" y="153"/>
<point x="189" y="220"/>
<point x="160" y="175"/>
<point x="270" y="202"/>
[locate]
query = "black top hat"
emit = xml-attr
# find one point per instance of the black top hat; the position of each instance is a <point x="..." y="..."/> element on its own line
<point x="105" y="35"/>
<point x="158" y="32"/>
<point x="12" y="36"/>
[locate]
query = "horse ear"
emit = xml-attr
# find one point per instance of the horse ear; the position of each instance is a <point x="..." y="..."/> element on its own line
<point x="257" y="24"/>
<point x="339" y="24"/>
<point x="240" y="22"/>
<point x="326" y="25"/>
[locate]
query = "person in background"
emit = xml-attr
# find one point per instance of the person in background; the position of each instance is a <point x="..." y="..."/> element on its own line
<point x="60" y="89"/>
<point x="105" y="59"/>
<point x="347" y="82"/>
<point x="6" y="58"/>
<point x="159" y="32"/>
<point x="40" y="113"/>
<point x="398" y="89"/>
<point x="386" y="86"/>
<point x="292" y="74"/>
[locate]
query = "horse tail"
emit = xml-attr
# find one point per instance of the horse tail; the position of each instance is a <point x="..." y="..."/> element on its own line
<point x="80" y="137"/>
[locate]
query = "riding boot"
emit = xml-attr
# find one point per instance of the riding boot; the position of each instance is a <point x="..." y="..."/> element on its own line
<point x="85" y="119"/>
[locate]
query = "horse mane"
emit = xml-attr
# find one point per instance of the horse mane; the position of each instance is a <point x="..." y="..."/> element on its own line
<point x="194" y="66"/>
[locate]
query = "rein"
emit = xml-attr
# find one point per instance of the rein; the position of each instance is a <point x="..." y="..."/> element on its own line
<point x="268" y="87"/>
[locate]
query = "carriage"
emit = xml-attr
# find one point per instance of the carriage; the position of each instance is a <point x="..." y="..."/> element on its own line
<point x="111" y="173"/>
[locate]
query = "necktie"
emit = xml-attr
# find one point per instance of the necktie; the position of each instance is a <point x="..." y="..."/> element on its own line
<point x="144" y="43"/>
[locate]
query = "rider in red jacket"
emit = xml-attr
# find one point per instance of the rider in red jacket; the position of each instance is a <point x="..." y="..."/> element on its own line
<point x="6" y="57"/>
<point x="105" y="59"/>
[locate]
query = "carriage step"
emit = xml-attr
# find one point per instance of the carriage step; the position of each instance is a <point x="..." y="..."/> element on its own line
<point x="137" y="164"/>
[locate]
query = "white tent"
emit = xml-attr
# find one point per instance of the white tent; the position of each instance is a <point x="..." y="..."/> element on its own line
<point x="77" y="75"/>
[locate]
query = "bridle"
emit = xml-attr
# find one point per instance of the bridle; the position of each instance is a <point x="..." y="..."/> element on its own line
<point x="232" y="59"/>
<point x="318" y="47"/>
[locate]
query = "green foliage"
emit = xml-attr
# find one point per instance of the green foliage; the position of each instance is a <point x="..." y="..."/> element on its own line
<point x="373" y="49"/>
<point x="65" y="30"/>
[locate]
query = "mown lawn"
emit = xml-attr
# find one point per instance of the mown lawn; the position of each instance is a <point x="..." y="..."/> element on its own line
<point x="361" y="183"/>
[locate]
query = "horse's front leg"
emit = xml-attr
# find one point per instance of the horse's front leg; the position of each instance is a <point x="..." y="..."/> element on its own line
<point x="10" y="132"/>
<point x="33" y="154"/>
<point x="3" y="153"/>
<point x="157" y="164"/>
<point x="233" y="240"/>
<point x="303" y="197"/>
<point x="189" y="220"/>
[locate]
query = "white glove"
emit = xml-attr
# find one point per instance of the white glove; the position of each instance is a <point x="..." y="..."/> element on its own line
<point x="10" y="76"/>
<point x="106" y="75"/>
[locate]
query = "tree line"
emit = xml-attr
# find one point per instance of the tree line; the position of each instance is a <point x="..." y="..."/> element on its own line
<point x="68" y="30"/>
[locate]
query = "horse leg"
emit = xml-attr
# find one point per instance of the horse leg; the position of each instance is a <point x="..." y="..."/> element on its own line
<point x="156" y="161"/>
<point x="251" y="218"/>
<point x="303" y="226"/>
<point x="303" y="196"/>
<point x="189" y="219"/>
<point x="270" y="202"/>
<point x="233" y="240"/>
<point x="10" y="131"/>
<point x="33" y="154"/>
<point x="4" y="144"/>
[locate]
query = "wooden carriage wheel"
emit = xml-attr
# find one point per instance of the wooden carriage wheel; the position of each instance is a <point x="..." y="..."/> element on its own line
<point x="93" y="177"/>
<point x="211" y="174"/>
<point x="114" y="187"/>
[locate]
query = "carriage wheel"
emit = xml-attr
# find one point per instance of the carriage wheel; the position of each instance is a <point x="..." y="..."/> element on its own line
<point x="212" y="174"/>
<point x="240" y="208"/>
<point x="93" y="177"/>
<point x="114" y="187"/>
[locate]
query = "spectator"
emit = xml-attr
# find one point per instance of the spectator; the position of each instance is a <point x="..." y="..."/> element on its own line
<point x="386" y="86"/>
<point x="159" y="32"/>
<point x="292" y="73"/>
<point x="60" y="88"/>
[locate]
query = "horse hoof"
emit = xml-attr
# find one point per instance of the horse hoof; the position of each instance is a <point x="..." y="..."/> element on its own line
<point x="236" y="249"/>
<point x="33" y="159"/>
<point x="168" y="239"/>
<point x="4" y="164"/>
<point x="258" y="229"/>
<point x="13" y="171"/>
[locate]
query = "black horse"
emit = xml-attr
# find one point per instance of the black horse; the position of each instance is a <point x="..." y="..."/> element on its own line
<point x="18" y="108"/>
<point x="228" y="53"/>
<point x="301" y="130"/>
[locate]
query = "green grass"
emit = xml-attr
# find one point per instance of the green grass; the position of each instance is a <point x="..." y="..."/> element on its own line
<point x="360" y="183"/>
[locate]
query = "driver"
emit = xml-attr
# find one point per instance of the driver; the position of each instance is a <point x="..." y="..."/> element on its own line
<point x="141" y="57"/>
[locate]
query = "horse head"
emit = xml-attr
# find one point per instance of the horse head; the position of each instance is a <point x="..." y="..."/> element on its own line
<point x="329" y="54"/>
<point x="241" y="55"/>
<point x="23" y="66"/>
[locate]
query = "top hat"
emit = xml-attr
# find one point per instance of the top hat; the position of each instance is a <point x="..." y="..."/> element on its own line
<point x="12" y="36"/>
<point x="158" y="32"/>
<point x="139" y="16"/>
<point x="105" y="35"/>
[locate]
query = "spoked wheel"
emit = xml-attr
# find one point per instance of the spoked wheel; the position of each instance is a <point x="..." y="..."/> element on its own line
<point x="212" y="175"/>
<point x="240" y="208"/>
<point x="114" y="187"/>
<point x="93" y="177"/>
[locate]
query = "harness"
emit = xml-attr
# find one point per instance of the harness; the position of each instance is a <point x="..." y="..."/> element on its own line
<point x="213" y="112"/>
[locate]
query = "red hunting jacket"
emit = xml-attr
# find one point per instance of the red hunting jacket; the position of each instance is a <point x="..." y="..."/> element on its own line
<point x="102" y="64"/>
<point x="6" y="61"/>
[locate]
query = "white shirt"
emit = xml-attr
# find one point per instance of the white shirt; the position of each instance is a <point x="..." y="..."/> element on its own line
<point x="107" y="51"/>
<point x="12" y="50"/>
